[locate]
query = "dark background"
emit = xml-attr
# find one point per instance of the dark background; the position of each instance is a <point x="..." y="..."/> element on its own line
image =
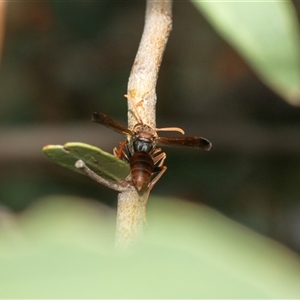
<point x="62" y="61"/>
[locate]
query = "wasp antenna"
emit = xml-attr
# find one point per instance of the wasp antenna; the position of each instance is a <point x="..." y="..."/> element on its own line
<point x="135" y="109"/>
<point x="170" y="129"/>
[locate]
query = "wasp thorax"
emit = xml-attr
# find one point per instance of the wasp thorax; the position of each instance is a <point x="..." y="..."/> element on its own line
<point x="142" y="145"/>
<point x="144" y="138"/>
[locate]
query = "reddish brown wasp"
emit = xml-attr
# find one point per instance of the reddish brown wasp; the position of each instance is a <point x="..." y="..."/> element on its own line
<point x="139" y="150"/>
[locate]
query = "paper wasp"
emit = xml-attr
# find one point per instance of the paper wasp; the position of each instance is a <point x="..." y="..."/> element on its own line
<point x="139" y="150"/>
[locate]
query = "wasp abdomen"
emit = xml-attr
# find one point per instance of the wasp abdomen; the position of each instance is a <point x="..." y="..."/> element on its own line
<point x="142" y="165"/>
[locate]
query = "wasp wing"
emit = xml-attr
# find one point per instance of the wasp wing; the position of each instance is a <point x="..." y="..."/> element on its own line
<point x="110" y="123"/>
<point x="196" y="142"/>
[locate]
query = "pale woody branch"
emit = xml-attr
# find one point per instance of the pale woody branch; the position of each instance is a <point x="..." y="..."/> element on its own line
<point x="144" y="73"/>
<point x="131" y="215"/>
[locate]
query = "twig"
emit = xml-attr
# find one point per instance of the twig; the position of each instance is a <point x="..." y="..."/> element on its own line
<point x="119" y="187"/>
<point x="131" y="216"/>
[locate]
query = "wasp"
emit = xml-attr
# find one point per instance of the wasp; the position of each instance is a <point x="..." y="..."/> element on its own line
<point x="139" y="149"/>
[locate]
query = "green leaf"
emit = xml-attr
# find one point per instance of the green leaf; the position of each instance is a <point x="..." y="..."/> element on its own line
<point x="102" y="163"/>
<point x="266" y="34"/>
<point x="62" y="248"/>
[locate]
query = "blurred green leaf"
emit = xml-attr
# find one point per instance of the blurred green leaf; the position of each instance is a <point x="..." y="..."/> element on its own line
<point x="101" y="162"/>
<point x="266" y="34"/>
<point x="63" y="248"/>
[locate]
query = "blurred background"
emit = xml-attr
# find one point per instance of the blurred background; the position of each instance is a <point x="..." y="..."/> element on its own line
<point x="62" y="61"/>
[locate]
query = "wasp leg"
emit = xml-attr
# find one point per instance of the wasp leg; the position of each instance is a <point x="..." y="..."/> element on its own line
<point x="119" y="152"/>
<point x="159" y="168"/>
<point x="157" y="177"/>
<point x="123" y="186"/>
<point x="160" y="158"/>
